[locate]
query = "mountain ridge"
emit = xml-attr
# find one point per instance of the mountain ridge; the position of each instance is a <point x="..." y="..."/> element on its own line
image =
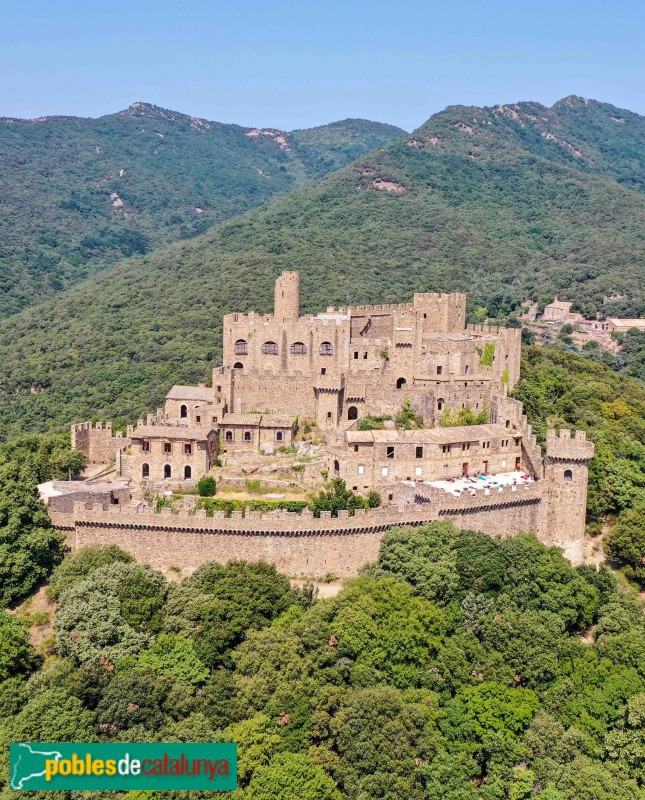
<point x="505" y="225"/>
<point x="78" y="194"/>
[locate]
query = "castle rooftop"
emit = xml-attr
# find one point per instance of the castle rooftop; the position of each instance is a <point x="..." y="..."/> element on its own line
<point x="450" y="435"/>
<point x="171" y="432"/>
<point x="179" y="392"/>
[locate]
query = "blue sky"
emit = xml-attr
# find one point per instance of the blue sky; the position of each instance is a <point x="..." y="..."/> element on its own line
<point x="297" y="64"/>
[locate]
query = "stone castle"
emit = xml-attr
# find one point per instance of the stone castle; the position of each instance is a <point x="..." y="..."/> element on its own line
<point x="350" y="371"/>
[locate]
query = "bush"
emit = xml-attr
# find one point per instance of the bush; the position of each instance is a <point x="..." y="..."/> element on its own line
<point x="337" y="497"/>
<point x="207" y="486"/>
<point x="76" y="567"/>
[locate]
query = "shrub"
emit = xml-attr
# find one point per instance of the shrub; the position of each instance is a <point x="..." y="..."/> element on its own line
<point x="207" y="486"/>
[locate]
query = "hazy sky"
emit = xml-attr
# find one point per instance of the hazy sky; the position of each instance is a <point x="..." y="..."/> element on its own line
<point x="294" y="64"/>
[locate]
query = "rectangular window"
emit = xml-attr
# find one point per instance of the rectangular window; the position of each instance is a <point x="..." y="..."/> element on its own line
<point x="361" y="469"/>
<point x="503" y="462"/>
<point x="167" y="447"/>
<point x="188" y="450"/>
<point x="467" y="369"/>
<point x="198" y="418"/>
<point x="390" y="452"/>
<point x="145" y="446"/>
<point x="219" y="388"/>
<point x="446" y="467"/>
<point x="385" y="471"/>
<point x="356" y="448"/>
<point x="465" y="446"/>
<point x="439" y="370"/>
<point x="445" y="448"/>
<point x="247" y="436"/>
<point x="356" y="354"/>
<point x="419" y="452"/>
<point x="418" y="472"/>
<point x="364" y="355"/>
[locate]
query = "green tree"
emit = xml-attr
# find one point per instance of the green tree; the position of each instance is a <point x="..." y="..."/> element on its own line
<point x="291" y="775"/>
<point x="52" y="716"/>
<point x="77" y="566"/>
<point x="176" y="658"/>
<point x="407" y="417"/>
<point x="30" y="547"/>
<point x="90" y="623"/>
<point x="207" y="486"/>
<point x="337" y="497"/>
<point x="16" y="655"/>
<point x="137" y="698"/>
<point x="626" y="540"/>
<point x="423" y="557"/>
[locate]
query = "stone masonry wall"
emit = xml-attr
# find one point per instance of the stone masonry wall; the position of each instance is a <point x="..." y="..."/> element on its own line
<point x="98" y="442"/>
<point x="298" y="544"/>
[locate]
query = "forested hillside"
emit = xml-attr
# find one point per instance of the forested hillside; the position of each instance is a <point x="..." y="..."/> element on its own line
<point x="456" y="668"/>
<point x="444" y="209"/>
<point x="79" y="194"/>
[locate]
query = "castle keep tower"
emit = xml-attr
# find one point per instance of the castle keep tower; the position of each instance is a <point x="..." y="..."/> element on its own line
<point x="287" y="297"/>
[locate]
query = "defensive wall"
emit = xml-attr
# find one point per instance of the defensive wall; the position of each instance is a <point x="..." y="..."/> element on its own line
<point x="298" y="544"/>
<point x="99" y="442"/>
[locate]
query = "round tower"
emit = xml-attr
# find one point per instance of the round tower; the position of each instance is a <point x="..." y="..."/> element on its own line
<point x="287" y="297"/>
<point x="566" y="473"/>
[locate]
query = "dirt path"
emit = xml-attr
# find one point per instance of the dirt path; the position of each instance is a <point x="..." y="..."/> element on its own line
<point x="38" y="614"/>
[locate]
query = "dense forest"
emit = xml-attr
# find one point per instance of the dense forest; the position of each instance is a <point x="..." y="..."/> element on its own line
<point x="444" y="209"/>
<point x="77" y="194"/>
<point x="455" y="668"/>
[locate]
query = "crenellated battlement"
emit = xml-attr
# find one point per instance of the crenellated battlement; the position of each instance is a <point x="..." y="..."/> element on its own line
<point x="410" y="511"/>
<point x="97" y="440"/>
<point x="563" y="446"/>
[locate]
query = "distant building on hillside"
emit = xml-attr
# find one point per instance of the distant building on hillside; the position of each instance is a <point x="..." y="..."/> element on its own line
<point x="557" y="311"/>
<point x="623" y="325"/>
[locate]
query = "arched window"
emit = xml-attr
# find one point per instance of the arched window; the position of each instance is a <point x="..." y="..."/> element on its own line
<point x="269" y="349"/>
<point x="400" y="383"/>
<point x="229" y="436"/>
<point x="241" y="347"/>
<point x="440" y="403"/>
<point x="238" y="365"/>
<point x="508" y="423"/>
<point x="145" y="470"/>
<point x="188" y="473"/>
<point x="352" y="412"/>
<point x="278" y="436"/>
<point x="568" y="475"/>
<point x="326" y="349"/>
<point x="167" y="471"/>
<point x="336" y="467"/>
<point x="298" y="349"/>
<point x="183" y="412"/>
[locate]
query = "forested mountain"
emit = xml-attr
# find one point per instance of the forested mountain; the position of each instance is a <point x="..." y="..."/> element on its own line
<point x="78" y="194"/>
<point x="455" y="668"/>
<point x="458" y="205"/>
